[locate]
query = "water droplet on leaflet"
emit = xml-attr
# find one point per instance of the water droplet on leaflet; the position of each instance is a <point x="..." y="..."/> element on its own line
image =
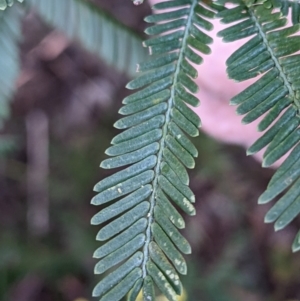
<point x="138" y="2"/>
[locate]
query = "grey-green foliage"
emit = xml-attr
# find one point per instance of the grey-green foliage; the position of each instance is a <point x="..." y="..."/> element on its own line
<point x="286" y="6"/>
<point x="271" y="51"/>
<point x="141" y="236"/>
<point x="142" y="245"/>
<point x="97" y="31"/>
<point x="7" y="3"/>
<point x="10" y="34"/>
<point x="79" y="19"/>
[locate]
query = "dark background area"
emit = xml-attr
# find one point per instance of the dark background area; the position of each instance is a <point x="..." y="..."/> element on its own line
<point x="67" y="102"/>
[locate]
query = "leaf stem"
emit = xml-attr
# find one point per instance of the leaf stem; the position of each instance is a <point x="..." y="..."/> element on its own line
<point x="162" y="141"/>
<point x="274" y="58"/>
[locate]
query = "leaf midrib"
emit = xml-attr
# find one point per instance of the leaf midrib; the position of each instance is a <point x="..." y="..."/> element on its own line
<point x="274" y="58"/>
<point x="162" y="141"/>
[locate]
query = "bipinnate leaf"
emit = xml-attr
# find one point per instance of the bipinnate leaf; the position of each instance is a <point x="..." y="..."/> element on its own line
<point x="271" y="51"/>
<point x="143" y="201"/>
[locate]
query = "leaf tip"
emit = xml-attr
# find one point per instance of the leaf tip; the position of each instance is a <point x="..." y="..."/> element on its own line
<point x="279" y="226"/>
<point x="262" y="200"/>
<point x="129" y="86"/>
<point x="249" y="152"/>
<point x="117" y="125"/>
<point x="268" y="219"/>
<point x="266" y="163"/>
<point x="96" y="255"/>
<point x="296" y="246"/>
<point x="94" y="220"/>
<point x="94" y="201"/>
<point x="95" y="293"/>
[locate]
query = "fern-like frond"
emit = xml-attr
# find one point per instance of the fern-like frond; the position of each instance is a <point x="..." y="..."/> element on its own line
<point x="287" y="6"/>
<point x="271" y="51"/>
<point x="143" y="199"/>
<point x="10" y="33"/>
<point x="7" y="3"/>
<point x="97" y="31"/>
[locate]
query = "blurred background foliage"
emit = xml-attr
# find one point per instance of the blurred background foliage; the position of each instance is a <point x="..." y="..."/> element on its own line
<point x="74" y="97"/>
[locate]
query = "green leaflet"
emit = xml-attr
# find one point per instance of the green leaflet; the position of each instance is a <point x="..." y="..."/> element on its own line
<point x="140" y="129"/>
<point x="103" y="286"/>
<point x="162" y="28"/>
<point x="182" y="139"/>
<point x="161" y="281"/>
<point x="287" y="164"/>
<point x="159" y="61"/>
<point x="189" y="69"/>
<point x="133" y="294"/>
<point x="279" y="185"/>
<point x="170" y="211"/>
<point x="176" y="165"/>
<point x="140" y="117"/>
<point x="170" y="175"/>
<point x="148" y="289"/>
<point x="187" y="112"/>
<point x="288" y="215"/>
<point x="130" y="158"/>
<point x="289" y="5"/>
<point x="296" y="243"/>
<point x="179" y="241"/>
<point x="273" y="113"/>
<point x="119" y="240"/>
<point x="146" y="103"/>
<point x="149" y="90"/>
<point x="122" y="205"/>
<point x="135" y="143"/>
<point x="169" y="249"/>
<point x="124" y="221"/>
<point x="186" y="96"/>
<point x="151" y="76"/>
<point x="121" y="289"/>
<point x="283" y="203"/>
<point x="282" y="148"/>
<point x="123" y="188"/>
<point x="257" y="86"/>
<point x="259" y="97"/>
<point x="184" y="123"/>
<point x="271" y="51"/>
<point x="143" y="198"/>
<point x="180" y="152"/>
<point x="177" y="197"/>
<point x="164" y="265"/>
<point x="119" y="255"/>
<point x="126" y="173"/>
<point x="167" y="16"/>
<point x="271" y="133"/>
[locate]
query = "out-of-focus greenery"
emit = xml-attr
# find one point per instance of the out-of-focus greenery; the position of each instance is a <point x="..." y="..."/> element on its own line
<point x="235" y="256"/>
<point x="235" y="270"/>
